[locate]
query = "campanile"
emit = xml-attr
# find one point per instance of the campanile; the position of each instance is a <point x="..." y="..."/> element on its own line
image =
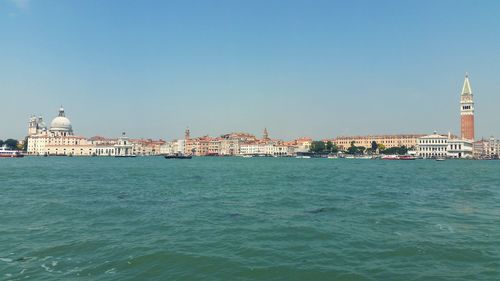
<point x="467" y="111"/>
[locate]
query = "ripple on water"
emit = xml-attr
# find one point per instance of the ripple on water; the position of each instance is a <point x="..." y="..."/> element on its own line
<point x="249" y="219"/>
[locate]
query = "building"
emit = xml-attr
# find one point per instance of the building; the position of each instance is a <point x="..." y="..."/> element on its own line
<point x="124" y="147"/>
<point x="301" y="144"/>
<point x="467" y="111"/>
<point x="59" y="139"/>
<point x="432" y="146"/>
<point x="172" y="147"/>
<point x="487" y="149"/>
<point x="388" y="141"/>
<point x="459" y="148"/>
<point x="253" y="148"/>
<point x="441" y="146"/>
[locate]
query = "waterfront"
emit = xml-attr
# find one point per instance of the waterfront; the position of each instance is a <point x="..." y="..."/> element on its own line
<point x="149" y="218"/>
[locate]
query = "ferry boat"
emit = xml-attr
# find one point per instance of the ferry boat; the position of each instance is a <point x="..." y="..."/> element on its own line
<point x="178" y="156"/>
<point x="5" y="153"/>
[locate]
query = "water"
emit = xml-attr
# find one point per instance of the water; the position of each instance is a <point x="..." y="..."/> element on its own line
<point x="149" y="218"/>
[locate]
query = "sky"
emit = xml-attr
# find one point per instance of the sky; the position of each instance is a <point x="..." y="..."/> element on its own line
<point x="299" y="68"/>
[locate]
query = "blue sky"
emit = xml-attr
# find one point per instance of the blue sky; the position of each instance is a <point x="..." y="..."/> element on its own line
<point x="299" y="68"/>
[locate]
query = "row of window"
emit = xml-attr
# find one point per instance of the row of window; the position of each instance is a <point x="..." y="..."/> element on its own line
<point x="425" y="141"/>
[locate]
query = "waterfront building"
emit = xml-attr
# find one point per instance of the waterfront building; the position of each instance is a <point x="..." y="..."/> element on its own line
<point x="214" y="146"/>
<point x="487" y="149"/>
<point x="432" y="146"/>
<point x="104" y="150"/>
<point x="124" y="147"/>
<point x="229" y="146"/>
<point x="388" y="141"/>
<point x="59" y="139"/>
<point x="278" y="150"/>
<point x="459" y="148"/>
<point x="302" y="144"/>
<point x="146" y="147"/>
<point x="253" y="148"/>
<point x="467" y="111"/>
<point x="440" y="146"/>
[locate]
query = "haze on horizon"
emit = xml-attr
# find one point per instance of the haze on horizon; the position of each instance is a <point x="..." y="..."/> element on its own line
<point x="299" y="68"/>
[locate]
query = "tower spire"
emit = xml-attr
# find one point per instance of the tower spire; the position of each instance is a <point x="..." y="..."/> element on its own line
<point x="466" y="89"/>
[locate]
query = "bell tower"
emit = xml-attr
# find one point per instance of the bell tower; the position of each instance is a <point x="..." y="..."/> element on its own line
<point x="33" y="126"/>
<point x="467" y="111"/>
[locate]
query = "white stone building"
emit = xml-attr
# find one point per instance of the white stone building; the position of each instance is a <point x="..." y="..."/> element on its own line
<point x="432" y="146"/>
<point x="487" y="149"/>
<point x="441" y="146"/>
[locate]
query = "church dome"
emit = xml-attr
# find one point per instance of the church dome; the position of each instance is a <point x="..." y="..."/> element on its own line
<point x="61" y="122"/>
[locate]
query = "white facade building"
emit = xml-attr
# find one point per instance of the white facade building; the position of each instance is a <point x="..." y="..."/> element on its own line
<point x="252" y="149"/>
<point x="440" y="146"/>
<point x="487" y="149"/>
<point x="432" y="146"/>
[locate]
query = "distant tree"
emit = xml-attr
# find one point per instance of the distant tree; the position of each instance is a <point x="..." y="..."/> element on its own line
<point x="334" y="149"/>
<point x="374" y="146"/>
<point x="353" y="149"/>
<point x="25" y="144"/>
<point x="317" y="147"/>
<point x="11" y="143"/>
<point x="329" y="146"/>
<point x="401" y="150"/>
<point x="380" y="147"/>
<point x="1" y="143"/>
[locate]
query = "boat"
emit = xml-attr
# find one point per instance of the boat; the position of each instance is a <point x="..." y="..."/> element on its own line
<point x="364" y="157"/>
<point x="178" y="156"/>
<point x="440" y="159"/>
<point x="126" y="156"/>
<point x="6" y="153"/>
<point x="407" y="157"/>
<point x="303" y="157"/>
<point x="390" y="157"/>
<point x="398" y="157"/>
<point x="247" y="156"/>
<point x="332" y="157"/>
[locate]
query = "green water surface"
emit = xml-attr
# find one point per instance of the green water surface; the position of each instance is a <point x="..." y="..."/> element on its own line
<point x="149" y="218"/>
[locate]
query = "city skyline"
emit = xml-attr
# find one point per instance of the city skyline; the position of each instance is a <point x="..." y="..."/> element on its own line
<point x="321" y="70"/>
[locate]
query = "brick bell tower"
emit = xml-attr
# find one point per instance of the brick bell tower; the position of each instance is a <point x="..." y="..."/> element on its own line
<point x="467" y="111"/>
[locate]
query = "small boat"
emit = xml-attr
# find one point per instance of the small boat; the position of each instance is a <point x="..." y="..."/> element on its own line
<point x="398" y="157"/>
<point x="126" y="156"/>
<point x="332" y="157"/>
<point x="5" y="153"/>
<point x="303" y="157"/>
<point x="407" y="157"/>
<point x="440" y="159"/>
<point x="247" y="156"/>
<point x="390" y="157"/>
<point x="364" y="157"/>
<point x="178" y="156"/>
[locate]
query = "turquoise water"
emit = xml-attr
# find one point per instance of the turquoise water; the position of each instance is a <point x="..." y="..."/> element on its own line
<point x="149" y="218"/>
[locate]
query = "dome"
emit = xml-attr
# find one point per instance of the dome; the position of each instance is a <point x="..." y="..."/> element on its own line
<point x="61" y="122"/>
